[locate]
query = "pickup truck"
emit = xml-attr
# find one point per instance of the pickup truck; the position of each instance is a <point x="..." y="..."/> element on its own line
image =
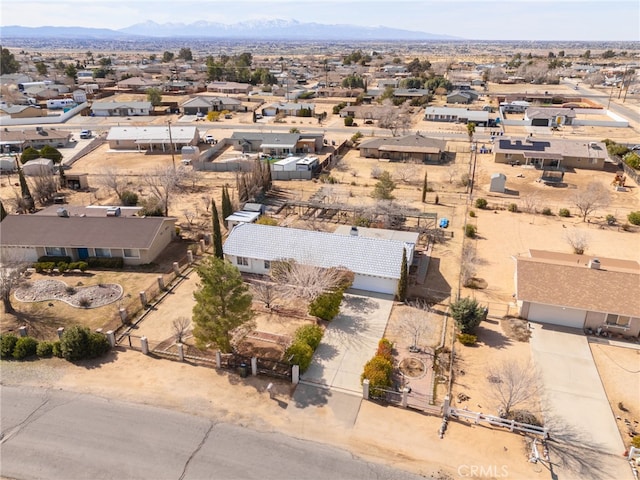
<point x="85" y="134"/>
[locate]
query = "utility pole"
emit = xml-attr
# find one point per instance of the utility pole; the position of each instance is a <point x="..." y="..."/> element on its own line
<point x="173" y="155"/>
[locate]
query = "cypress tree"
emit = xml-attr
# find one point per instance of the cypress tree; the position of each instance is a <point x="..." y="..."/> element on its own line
<point x="424" y="188"/>
<point x="24" y="190"/>
<point x="401" y="294"/>
<point x="227" y="207"/>
<point x="217" y="234"/>
<point x="3" y="212"/>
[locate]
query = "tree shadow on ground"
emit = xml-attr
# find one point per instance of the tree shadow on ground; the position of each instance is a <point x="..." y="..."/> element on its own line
<point x="325" y="352"/>
<point x="492" y="338"/>
<point x="94" y="363"/>
<point x="310" y="395"/>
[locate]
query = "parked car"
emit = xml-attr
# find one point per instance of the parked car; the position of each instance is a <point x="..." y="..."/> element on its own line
<point x="85" y="134"/>
<point x="209" y="139"/>
<point x="200" y="115"/>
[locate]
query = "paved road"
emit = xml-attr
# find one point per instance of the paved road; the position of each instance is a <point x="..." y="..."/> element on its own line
<point x="58" y="435"/>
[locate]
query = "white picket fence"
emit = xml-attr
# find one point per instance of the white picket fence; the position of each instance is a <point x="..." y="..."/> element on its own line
<point x="512" y="425"/>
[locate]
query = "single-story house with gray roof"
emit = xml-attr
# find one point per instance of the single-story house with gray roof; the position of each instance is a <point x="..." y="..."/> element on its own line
<point x="375" y="262"/>
<point x="120" y="109"/>
<point x="138" y="240"/>
<point x="206" y="103"/>
<point x="276" y="144"/>
<point x="152" y="137"/>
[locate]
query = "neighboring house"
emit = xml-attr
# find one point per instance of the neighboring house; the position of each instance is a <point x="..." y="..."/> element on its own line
<point x="288" y="109"/>
<point x="462" y="96"/>
<point x="138" y="84"/>
<point x="138" y="240"/>
<point x="579" y="291"/>
<point x="456" y="115"/>
<point x="37" y="138"/>
<point x="38" y="167"/>
<point x="23" y="111"/>
<point x="375" y="262"/>
<point x="152" y="138"/>
<point x="205" y="104"/>
<point x="79" y="96"/>
<point x="413" y="147"/>
<point x="342" y="92"/>
<point x="551" y="152"/>
<point x="121" y="109"/>
<point x="549" y="116"/>
<point x="410" y="92"/>
<point x="89" y="210"/>
<point x="229" y="87"/>
<point x="364" y="112"/>
<point x="276" y="144"/>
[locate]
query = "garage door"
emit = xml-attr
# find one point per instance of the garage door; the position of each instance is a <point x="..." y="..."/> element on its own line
<point x="567" y="317"/>
<point x="374" y="284"/>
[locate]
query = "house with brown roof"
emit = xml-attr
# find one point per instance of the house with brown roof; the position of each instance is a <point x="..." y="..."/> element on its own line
<point x="137" y="240"/>
<point x="550" y="152"/>
<point x="36" y="138"/>
<point x="415" y="147"/>
<point x="579" y="291"/>
<point x="229" y="87"/>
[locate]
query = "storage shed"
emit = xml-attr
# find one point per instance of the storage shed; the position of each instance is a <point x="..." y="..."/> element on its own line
<point x="498" y="181"/>
<point x="38" y="166"/>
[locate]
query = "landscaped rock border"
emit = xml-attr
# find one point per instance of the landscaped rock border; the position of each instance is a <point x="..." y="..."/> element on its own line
<point x="92" y="296"/>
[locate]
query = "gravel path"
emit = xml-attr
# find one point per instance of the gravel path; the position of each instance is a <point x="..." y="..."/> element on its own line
<point x="92" y="296"/>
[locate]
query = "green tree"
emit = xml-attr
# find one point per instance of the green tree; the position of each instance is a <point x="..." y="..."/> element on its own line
<point x="7" y="344"/>
<point x="384" y="187"/>
<point x="8" y="62"/>
<point x="403" y="283"/>
<point x="348" y="121"/>
<point x="471" y="130"/>
<point x="309" y="334"/>
<point x="227" y="206"/>
<point x="167" y="56"/>
<point x="42" y="69"/>
<point x="29" y="153"/>
<point x="301" y="354"/>
<point x="78" y="343"/>
<point x="27" y="199"/>
<point x="634" y="218"/>
<point x="467" y="314"/>
<point x="327" y="305"/>
<point x="223" y="305"/>
<point x="353" y="81"/>
<point x="185" y="54"/>
<point x="25" y="347"/>
<point x="217" y="234"/>
<point x="424" y="187"/>
<point x="71" y="71"/>
<point x="154" y="95"/>
<point x="411" y="83"/>
<point x="51" y="153"/>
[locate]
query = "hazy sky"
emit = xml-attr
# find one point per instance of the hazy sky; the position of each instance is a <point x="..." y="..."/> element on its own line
<point x="472" y="19"/>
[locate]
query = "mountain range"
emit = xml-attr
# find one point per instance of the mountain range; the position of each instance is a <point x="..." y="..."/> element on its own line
<point x="251" y="30"/>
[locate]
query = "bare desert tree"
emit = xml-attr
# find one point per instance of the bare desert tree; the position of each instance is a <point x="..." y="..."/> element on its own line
<point x="308" y="281"/>
<point x="468" y="264"/>
<point x="12" y="266"/>
<point x="415" y="324"/>
<point x="265" y="292"/>
<point x="180" y="328"/>
<point x="43" y="187"/>
<point x="452" y="172"/>
<point x="530" y="203"/>
<point x="594" y="197"/>
<point x="578" y="240"/>
<point x="407" y="173"/>
<point x="163" y="182"/>
<point x="512" y="384"/>
<point x="113" y="181"/>
<point x="190" y="216"/>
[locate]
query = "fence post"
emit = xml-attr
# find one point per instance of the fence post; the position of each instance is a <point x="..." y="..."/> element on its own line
<point x="405" y="397"/>
<point x="295" y="374"/>
<point x="180" y="352"/>
<point x="202" y="245"/>
<point x="176" y="269"/>
<point x="254" y="366"/>
<point x="111" y="337"/>
<point x="446" y="405"/>
<point x="190" y="256"/>
<point x="218" y="359"/>
<point x="123" y="314"/>
<point x="513" y="422"/>
<point x="365" y="389"/>
<point x="143" y="299"/>
<point x="60" y="332"/>
<point x="161" y="283"/>
<point x="144" y="345"/>
<point x="24" y="331"/>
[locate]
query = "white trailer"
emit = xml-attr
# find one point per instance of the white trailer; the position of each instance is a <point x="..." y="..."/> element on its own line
<point x="60" y="103"/>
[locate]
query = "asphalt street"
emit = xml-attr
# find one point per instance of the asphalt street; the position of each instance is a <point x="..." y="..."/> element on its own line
<point x="59" y="435"/>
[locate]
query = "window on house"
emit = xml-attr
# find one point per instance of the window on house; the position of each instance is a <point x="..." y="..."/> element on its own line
<point x="55" y="251"/>
<point x="267" y="265"/>
<point x="242" y="261"/>
<point x="618" y="320"/>
<point x="103" y="252"/>
<point x="131" y="253"/>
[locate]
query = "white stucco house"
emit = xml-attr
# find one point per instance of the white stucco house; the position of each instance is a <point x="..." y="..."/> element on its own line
<point x="375" y="262"/>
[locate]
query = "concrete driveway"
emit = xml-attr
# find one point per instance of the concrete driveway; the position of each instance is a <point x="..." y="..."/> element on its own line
<point x="349" y="342"/>
<point x="585" y="440"/>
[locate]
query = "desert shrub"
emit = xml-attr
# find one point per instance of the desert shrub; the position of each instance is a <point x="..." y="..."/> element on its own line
<point x="634" y="218"/>
<point x="635" y="441"/>
<point x="524" y="416"/>
<point x="264" y="220"/>
<point x="327" y="305"/>
<point x="129" y="198"/>
<point x="62" y="267"/>
<point x="55" y="258"/>
<point x="465" y="180"/>
<point x="78" y="343"/>
<point x="472" y="213"/>
<point x="385" y="349"/>
<point x="611" y="220"/>
<point x="38" y="267"/>
<point x="633" y="160"/>
<point x="25" y="347"/>
<point x="105" y="262"/>
<point x="467" y="339"/>
<point x="84" y="302"/>
<point x="378" y="371"/>
<point x="513" y="207"/>
<point x="44" y="349"/>
<point x="547" y="211"/>
<point x="564" y="212"/>
<point x="82" y="266"/>
<point x="481" y="203"/>
<point x="300" y="354"/>
<point x="70" y="290"/>
<point x="7" y="344"/>
<point x="309" y="334"/>
<point x="56" y="349"/>
<point x="467" y="314"/>
<point x="470" y="230"/>
<point x="348" y="121"/>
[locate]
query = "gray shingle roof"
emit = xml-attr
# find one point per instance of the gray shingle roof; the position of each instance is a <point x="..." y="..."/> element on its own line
<point x="369" y="256"/>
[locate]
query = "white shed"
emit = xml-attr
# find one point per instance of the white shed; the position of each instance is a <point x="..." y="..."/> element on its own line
<point x="7" y="164"/>
<point x="38" y="166"/>
<point x="286" y="164"/>
<point x="498" y="181"/>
